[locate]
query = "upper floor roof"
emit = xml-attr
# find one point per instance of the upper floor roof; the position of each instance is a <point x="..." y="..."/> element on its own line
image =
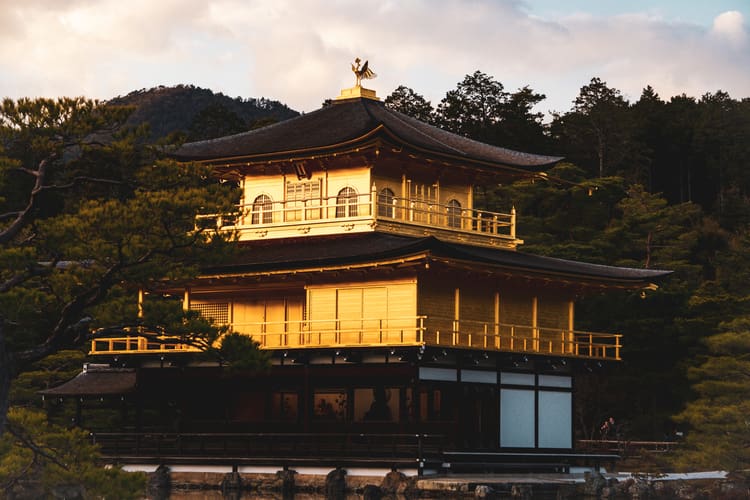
<point x="349" y="125"/>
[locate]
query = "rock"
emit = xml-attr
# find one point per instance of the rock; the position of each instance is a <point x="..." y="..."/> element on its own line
<point x="521" y="492"/>
<point x="593" y="484"/>
<point x="372" y="492"/>
<point x="483" y="491"/>
<point x="395" y="483"/>
<point x="640" y="489"/>
<point x="684" y="491"/>
<point x="284" y="483"/>
<point x="663" y="489"/>
<point x="231" y="484"/>
<point x="733" y="489"/>
<point x="160" y="483"/>
<point x="566" y="492"/>
<point x="336" y="484"/>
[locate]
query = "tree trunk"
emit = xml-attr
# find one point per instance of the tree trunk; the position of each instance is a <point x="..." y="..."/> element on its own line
<point x="7" y="367"/>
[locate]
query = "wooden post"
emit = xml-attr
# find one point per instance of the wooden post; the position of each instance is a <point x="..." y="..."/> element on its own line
<point x="140" y="303"/>
<point x="535" y="323"/>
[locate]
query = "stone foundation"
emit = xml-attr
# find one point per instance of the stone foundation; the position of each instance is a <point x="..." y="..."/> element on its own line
<point x="338" y="484"/>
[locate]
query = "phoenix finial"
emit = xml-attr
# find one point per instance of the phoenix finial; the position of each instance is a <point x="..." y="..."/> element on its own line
<point x="363" y="73"/>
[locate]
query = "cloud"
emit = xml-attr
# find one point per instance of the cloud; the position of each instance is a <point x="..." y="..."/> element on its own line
<point x="299" y="51"/>
<point x="731" y="26"/>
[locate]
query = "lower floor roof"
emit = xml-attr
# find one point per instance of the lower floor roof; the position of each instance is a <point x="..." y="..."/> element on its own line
<point x="305" y="253"/>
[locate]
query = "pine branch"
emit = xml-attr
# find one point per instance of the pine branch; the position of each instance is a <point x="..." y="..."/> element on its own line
<point x="39" y="450"/>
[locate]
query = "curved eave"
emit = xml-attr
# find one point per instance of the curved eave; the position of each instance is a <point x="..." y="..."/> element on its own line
<point x="372" y="139"/>
<point x="348" y="146"/>
<point x="365" y="252"/>
<point x="494" y="166"/>
<point x="540" y="274"/>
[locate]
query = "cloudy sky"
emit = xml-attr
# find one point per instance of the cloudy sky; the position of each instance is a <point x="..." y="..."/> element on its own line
<point x="299" y="51"/>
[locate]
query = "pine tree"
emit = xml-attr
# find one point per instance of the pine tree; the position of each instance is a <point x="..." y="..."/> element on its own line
<point x="718" y="420"/>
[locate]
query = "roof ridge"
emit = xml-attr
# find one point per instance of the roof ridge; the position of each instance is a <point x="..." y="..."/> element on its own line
<point x="396" y="114"/>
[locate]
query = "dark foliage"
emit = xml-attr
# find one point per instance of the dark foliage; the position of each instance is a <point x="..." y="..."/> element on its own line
<point x="191" y="110"/>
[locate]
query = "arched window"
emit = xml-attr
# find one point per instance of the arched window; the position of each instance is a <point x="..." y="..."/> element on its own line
<point x="386" y="203"/>
<point x="346" y="203"/>
<point x="453" y="213"/>
<point x="262" y="210"/>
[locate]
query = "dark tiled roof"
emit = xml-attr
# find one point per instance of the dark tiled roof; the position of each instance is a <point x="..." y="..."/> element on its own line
<point x="96" y="381"/>
<point x="347" y="123"/>
<point x="343" y="250"/>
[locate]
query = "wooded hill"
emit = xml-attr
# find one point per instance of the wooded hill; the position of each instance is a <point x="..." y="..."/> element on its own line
<point x="198" y="113"/>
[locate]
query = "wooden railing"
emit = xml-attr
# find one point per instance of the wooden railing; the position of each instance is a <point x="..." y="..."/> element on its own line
<point x="522" y="338"/>
<point x="137" y="344"/>
<point x="274" y="448"/>
<point x="625" y="447"/>
<point x="371" y="206"/>
<point x="409" y="331"/>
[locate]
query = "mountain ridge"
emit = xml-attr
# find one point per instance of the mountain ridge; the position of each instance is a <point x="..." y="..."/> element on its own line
<point x="198" y="113"/>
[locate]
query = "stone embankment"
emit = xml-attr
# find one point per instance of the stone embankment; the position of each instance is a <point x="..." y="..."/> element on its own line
<point x="337" y="484"/>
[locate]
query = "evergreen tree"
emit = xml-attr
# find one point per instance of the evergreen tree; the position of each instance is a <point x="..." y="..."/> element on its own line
<point x="89" y="217"/>
<point x="718" y="431"/>
<point x="473" y="108"/>
<point x="215" y="121"/>
<point x="597" y="130"/>
<point x="408" y="102"/>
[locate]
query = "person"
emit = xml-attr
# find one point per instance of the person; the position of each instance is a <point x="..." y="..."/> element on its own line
<point x="607" y="428"/>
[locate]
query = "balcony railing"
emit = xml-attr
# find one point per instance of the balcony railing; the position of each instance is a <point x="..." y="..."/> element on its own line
<point x="420" y="330"/>
<point x="136" y="344"/>
<point x="327" y="214"/>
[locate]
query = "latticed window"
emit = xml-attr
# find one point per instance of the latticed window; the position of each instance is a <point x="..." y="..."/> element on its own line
<point x="217" y="311"/>
<point x="262" y="210"/>
<point x="346" y="203"/>
<point x="300" y="195"/>
<point x="453" y="213"/>
<point x="386" y="203"/>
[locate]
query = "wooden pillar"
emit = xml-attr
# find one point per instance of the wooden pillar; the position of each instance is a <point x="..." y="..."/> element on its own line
<point x="535" y="322"/>
<point x="404" y="198"/>
<point x="307" y="401"/>
<point x="456" y="316"/>
<point x="571" y="316"/>
<point x="140" y="303"/>
<point x="496" y="329"/>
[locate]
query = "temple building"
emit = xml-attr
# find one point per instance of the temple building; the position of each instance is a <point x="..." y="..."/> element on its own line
<point x="405" y="326"/>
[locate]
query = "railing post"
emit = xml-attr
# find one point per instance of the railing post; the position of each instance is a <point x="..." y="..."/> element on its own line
<point x="420" y="458"/>
<point x="562" y="342"/>
<point x="513" y="222"/>
<point x="374" y="201"/>
<point x="617" y="347"/>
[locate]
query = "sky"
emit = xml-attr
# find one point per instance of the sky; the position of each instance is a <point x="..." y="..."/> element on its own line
<point x="300" y="51"/>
